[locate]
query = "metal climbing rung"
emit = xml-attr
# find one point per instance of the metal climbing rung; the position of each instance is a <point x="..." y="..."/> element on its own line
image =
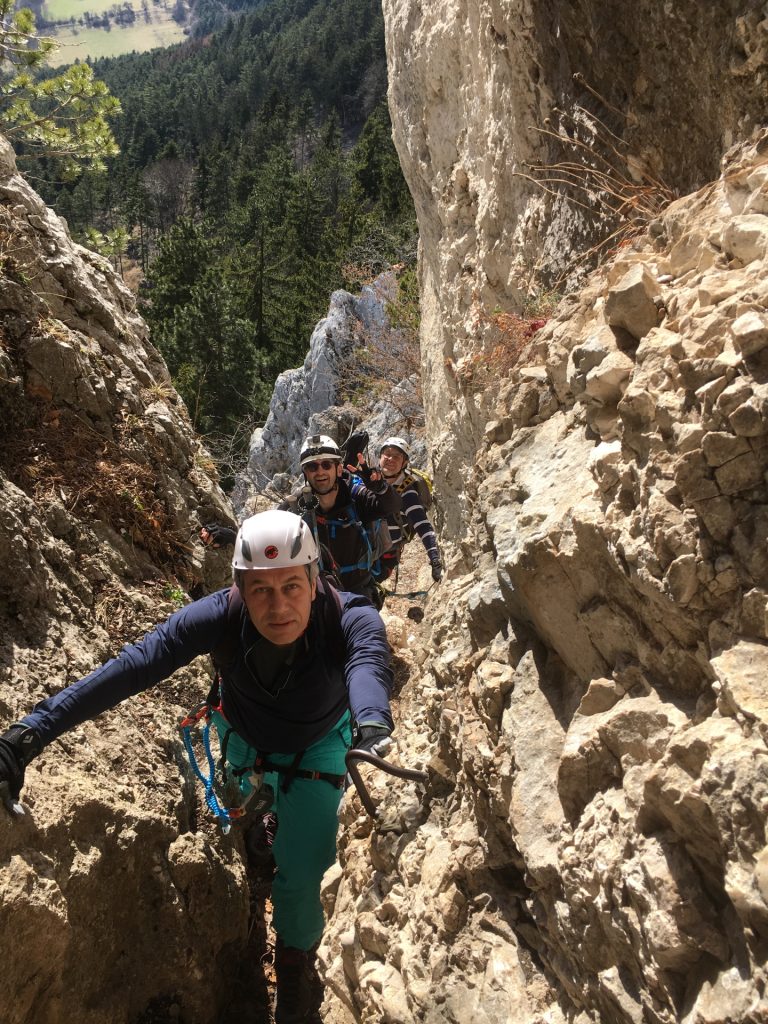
<point x="354" y="755"/>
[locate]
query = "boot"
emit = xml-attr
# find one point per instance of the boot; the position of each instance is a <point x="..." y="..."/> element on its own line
<point x="299" y="989"/>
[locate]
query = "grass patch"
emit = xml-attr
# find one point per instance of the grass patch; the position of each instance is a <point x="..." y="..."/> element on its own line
<point x="63" y="10"/>
<point x="93" y="43"/>
<point x="153" y="27"/>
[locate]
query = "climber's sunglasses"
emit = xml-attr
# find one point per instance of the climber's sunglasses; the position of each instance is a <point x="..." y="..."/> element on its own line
<point x="312" y="467"/>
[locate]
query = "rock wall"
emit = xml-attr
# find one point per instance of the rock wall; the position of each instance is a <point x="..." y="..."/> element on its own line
<point x="592" y="703"/>
<point x="116" y="904"/>
<point x="470" y="84"/>
<point x="303" y="396"/>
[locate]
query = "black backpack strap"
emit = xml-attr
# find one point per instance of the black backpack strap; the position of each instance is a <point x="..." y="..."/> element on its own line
<point x="332" y="612"/>
<point x="224" y="653"/>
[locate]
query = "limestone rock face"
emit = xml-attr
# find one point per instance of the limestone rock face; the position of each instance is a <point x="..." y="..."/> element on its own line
<point x="302" y="396"/>
<point x="104" y="486"/>
<point x="592" y="705"/>
<point x="476" y="93"/>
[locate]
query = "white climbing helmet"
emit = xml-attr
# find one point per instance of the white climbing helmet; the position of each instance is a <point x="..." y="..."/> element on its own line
<point x="396" y="442"/>
<point x="274" y="540"/>
<point x="317" y="446"/>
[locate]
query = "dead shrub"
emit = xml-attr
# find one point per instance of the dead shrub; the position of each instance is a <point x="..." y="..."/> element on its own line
<point x="57" y="456"/>
<point x="386" y="362"/>
<point x="600" y="175"/>
<point x="503" y="337"/>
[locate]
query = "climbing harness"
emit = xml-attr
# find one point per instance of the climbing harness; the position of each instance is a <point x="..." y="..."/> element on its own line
<point x="259" y="796"/>
<point x="354" y="755"/>
<point x="263" y="793"/>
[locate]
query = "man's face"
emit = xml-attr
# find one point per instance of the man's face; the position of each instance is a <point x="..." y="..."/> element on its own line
<point x="322" y="474"/>
<point x="391" y="461"/>
<point x="279" y="602"/>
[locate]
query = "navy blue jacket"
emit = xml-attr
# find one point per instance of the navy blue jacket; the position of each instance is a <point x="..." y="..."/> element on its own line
<point x="325" y="679"/>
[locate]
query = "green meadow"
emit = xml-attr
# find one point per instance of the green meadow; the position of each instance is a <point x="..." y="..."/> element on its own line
<point x="153" y="27"/>
<point x="63" y="10"/>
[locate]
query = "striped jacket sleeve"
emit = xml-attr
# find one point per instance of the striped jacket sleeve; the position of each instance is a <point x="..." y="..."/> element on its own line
<point x="417" y="516"/>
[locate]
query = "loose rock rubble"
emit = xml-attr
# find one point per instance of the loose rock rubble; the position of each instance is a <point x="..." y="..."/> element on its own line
<point x="592" y="699"/>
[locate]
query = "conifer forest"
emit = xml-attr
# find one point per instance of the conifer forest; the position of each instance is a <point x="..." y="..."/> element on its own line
<point x="256" y="174"/>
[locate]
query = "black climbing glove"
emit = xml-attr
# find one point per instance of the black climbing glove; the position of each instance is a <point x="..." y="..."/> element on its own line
<point x="373" y="738"/>
<point x="355" y="446"/>
<point x="437" y="569"/>
<point x="371" y="477"/>
<point x="17" y="748"/>
<point x="219" y="536"/>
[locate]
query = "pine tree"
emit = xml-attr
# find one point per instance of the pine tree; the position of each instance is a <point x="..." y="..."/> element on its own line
<point x="65" y="116"/>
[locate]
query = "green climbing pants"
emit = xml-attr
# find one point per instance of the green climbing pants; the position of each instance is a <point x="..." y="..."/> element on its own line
<point x="307" y="821"/>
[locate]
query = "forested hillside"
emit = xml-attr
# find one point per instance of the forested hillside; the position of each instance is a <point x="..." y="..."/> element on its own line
<point x="256" y="175"/>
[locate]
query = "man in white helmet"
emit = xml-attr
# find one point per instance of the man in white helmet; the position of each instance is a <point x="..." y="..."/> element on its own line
<point x="342" y="510"/>
<point x="303" y="666"/>
<point x="394" y="455"/>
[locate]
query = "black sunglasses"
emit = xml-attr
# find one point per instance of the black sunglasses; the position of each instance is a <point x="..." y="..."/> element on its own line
<point x="312" y="467"/>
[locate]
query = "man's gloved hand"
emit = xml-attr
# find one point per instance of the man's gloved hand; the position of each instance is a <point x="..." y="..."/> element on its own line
<point x="370" y="477"/>
<point x="17" y="748"/>
<point x="437" y="569"/>
<point x="373" y="738"/>
<point x="214" y="535"/>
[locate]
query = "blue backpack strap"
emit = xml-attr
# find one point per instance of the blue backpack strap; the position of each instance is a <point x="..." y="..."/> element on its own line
<point x="333" y="523"/>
